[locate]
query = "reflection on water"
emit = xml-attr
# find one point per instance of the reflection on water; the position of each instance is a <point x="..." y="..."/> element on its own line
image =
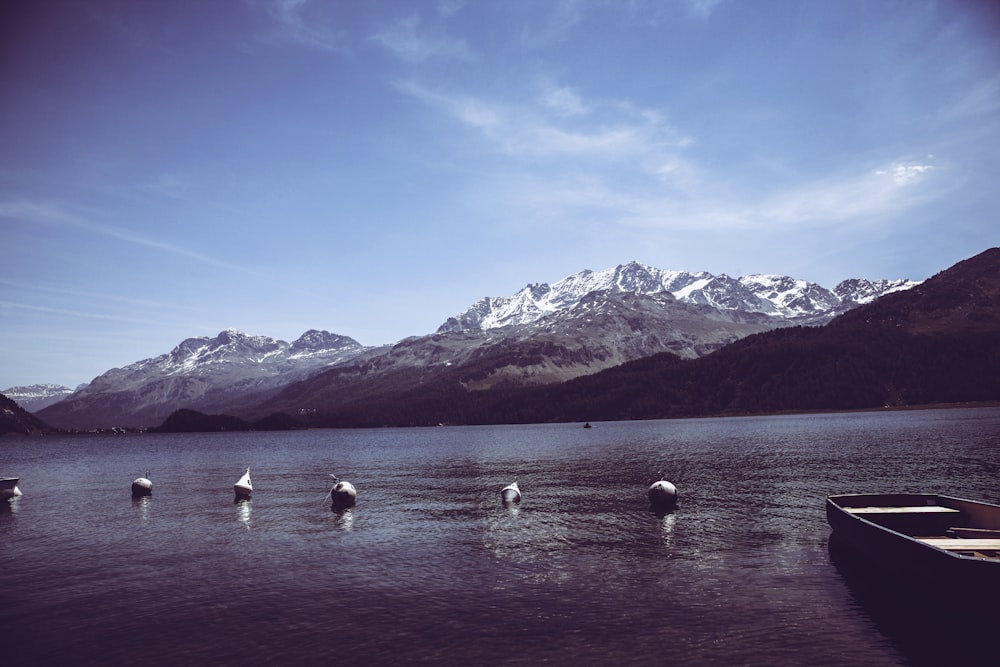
<point x="928" y="629"/>
<point x="667" y="521"/>
<point x="343" y="518"/>
<point x="141" y="504"/>
<point x="243" y="510"/>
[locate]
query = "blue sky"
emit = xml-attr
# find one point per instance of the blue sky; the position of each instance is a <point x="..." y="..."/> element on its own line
<point x="172" y="169"/>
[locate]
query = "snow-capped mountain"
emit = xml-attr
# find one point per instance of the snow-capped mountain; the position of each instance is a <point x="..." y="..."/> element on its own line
<point x="200" y="373"/>
<point x="583" y="324"/>
<point x="37" y="396"/>
<point x="776" y="296"/>
<point x="603" y="329"/>
<point x="861" y="291"/>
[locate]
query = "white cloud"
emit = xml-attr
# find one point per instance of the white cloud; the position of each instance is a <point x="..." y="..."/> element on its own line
<point x="904" y="173"/>
<point x="468" y="110"/>
<point x="563" y="101"/>
<point x="700" y="202"/>
<point x="404" y="40"/>
<point x="561" y="124"/>
<point x="564" y="156"/>
<point x="293" y="25"/>
<point x="701" y="9"/>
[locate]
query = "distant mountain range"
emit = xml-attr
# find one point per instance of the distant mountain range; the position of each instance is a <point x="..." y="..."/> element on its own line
<point x="37" y="396"/>
<point x="544" y="334"/>
<point x="629" y="342"/>
<point x="207" y="373"/>
<point x="792" y="299"/>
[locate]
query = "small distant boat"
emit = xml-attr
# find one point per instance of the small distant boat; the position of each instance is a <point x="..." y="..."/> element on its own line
<point x="8" y="488"/>
<point x="511" y="493"/>
<point x="243" y="487"/>
<point x="587" y="425"/>
<point x="142" y="486"/>
<point x="343" y="494"/>
<point x="929" y="539"/>
<point x="662" y="494"/>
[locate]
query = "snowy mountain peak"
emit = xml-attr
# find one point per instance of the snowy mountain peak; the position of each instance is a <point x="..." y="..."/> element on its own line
<point x="773" y="295"/>
<point x="861" y="291"/>
<point x="37" y="396"/>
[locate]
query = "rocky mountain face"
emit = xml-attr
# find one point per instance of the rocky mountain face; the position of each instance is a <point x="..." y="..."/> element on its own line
<point x="37" y="396"/>
<point x="583" y="324"/>
<point x="601" y="330"/>
<point x="201" y="373"/>
<point x="778" y="296"/>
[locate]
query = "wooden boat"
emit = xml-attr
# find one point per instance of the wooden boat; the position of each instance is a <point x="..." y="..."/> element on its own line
<point x="343" y="494"/>
<point x="511" y="493"/>
<point x="243" y="487"/>
<point x="142" y="486"/>
<point x="8" y="487"/>
<point x="948" y="543"/>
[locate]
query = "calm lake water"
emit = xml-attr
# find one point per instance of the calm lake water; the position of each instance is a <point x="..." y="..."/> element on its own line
<point x="429" y="567"/>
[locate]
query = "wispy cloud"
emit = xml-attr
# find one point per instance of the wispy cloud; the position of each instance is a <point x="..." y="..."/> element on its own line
<point x="559" y="123"/>
<point x="562" y="100"/>
<point x="293" y="23"/>
<point x="701" y="9"/>
<point x="69" y="312"/>
<point x="81" y="294"/>
<point x="904" y="173"/>
<point x="48" y="213"/>
<point x="628" y="165"/>
<point x="404" y="39"/>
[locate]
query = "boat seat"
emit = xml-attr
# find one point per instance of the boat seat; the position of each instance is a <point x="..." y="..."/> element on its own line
<point x="962" y="543"/>
<point x="915" y="509"/>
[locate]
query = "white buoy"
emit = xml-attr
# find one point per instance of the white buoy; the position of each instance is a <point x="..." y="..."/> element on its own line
<point x="510" y="493"/>
<point x="663" y="494"/>
<point x="243" y="487"/>
<point x="142" y="486"/>
<point x="343" y="494"/>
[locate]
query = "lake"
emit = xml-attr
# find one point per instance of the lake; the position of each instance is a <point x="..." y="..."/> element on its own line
<point x="430" y="567"/>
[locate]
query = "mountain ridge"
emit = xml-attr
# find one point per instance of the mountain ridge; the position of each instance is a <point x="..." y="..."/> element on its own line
<point x="773" y="295"/>
<point x="583" y="324"/>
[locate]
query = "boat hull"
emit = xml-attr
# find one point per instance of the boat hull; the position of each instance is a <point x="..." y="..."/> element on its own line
<point x="891" y="540"/>
<point x="8" y="487"/>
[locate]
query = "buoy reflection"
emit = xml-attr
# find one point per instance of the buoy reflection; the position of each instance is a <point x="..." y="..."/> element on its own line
<point x="142" y="505"/>
<point x="243" y="510"/>
<point x="667" y="521"/>
<point x="344" y="518"/>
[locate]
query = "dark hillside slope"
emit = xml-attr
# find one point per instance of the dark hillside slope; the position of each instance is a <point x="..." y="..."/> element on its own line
<point x="15" y="419"/>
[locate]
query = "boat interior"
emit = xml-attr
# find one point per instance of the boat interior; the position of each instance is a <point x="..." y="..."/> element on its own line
<point x="958" y="526"/>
